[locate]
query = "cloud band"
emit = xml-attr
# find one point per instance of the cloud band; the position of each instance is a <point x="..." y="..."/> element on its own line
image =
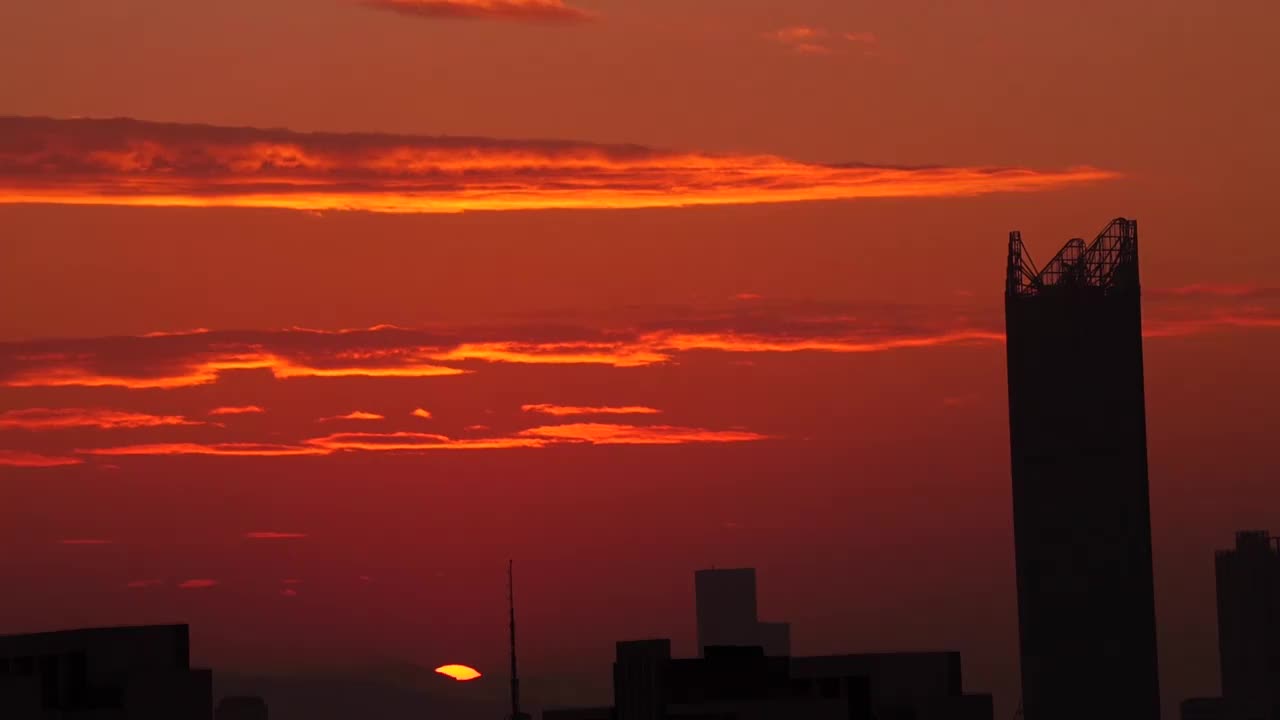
<point x="132" y="162"/>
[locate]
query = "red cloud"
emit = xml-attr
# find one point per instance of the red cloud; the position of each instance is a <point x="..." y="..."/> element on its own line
<point x="20" y="458"/>
<point x="207" y="368"/>
<point x="414" y="442"/>
<point x="224" y="449"/>
<point x="804" y="40"/>
<point x="130" y="162"/>
<point x="566" y="410"/>
<point x="421" y="413"/>
<point x="528" y="10"/>
<point x="606" y="434"/>
<point x="86" y="541"/>
<point x="242" y="410"/>
<point x="63" y="418"/>
<point x="763" y="326"/>
<point x="197" y="584"/>
<point x="538" y="437"/>
<point x="816" y="41"/>
<point x="356" y="415"/>
<point x="272" y="535"/>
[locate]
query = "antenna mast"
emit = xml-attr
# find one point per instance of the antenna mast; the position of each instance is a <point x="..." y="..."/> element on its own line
<point x="515" y="676"/>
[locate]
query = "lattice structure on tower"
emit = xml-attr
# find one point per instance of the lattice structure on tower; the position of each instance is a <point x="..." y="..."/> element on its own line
<point x="1108" y="263"/>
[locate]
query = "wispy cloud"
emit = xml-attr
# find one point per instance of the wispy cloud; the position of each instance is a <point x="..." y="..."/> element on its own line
<point x="802" y="39"/>
<point x="131" y="162"/>
<point x="1200" y="308"/>
<point x="745" y="329"/>
<point x="416" y="442"/>
<point x="607" y="434"/>
<point x="421" y="413"/>
<point x="413" y="442"/>
<point x="218" y="449"/>
<point x="273" y="535"/>
<point x="806" y="40"/>
<point x="64" y="418"/>
<point x="197" y="584"/>
<point x="955" y="401"/>
<point x="239" y="410"/>
<point x="544" y="11"/>
<point x="206" y="367"/>
<point x="23" y="459"/>
<point x="567" y="410"/>
<point x="1219" y="290"/>
<point x="172" y="363"/>
<point x="355" y="415"/>
<point x="140" y="584"/>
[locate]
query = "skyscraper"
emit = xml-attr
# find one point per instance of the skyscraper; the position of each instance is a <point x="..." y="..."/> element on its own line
<point x="726" y="608"/>
<point x="1081" y="514"/>
<point x="1249" y="625"/>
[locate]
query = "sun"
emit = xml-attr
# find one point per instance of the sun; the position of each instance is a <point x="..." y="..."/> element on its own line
<point x="461" y="673"/>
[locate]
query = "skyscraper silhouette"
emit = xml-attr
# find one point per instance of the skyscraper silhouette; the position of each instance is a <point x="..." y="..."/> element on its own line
<point x="1081" y="515"/>
<point x="1248" y="579"/>
<point x="725" y="602"/>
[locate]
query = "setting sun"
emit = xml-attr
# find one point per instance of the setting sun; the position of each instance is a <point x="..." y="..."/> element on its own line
<point x="461" y="673"/>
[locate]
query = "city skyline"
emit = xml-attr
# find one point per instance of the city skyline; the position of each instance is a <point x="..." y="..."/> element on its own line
<point x="736" y="669"/>
<point x="328" y="310"/>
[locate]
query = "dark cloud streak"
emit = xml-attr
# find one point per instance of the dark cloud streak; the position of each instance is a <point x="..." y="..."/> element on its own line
<point x="538" y="11"/>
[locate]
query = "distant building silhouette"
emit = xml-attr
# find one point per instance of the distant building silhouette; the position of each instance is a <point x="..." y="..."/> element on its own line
<point x="241" y="708"/>
<point x="1081" y="515"/>
<point x="1204" y="709"/>
<point x="744" y="682"/>
<point x="725" y="602"/>
<point x="139" y="673"/>
<point x="775" y="638"/>
<point x="1248" y="584"/>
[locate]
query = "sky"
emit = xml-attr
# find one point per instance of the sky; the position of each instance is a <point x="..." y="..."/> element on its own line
<point x="321" y="310"/>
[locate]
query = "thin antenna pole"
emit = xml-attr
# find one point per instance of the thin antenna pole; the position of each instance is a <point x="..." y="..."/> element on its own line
<point x="515" y="676"/>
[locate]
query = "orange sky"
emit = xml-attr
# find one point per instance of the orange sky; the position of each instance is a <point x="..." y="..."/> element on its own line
<point x="214" y="380"/>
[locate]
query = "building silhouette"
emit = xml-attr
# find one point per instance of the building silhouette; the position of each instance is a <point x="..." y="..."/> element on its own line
<point x="1248" y="585"/>
<point x="241" y="708"/>
<point x="133" y="673"/>
<point x="775" y="638"/>
<point x="745" y="682"/>
<point x="725" y="604"/>
<point x="1082" y="526"/>
<point x="1204" y="708"/>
